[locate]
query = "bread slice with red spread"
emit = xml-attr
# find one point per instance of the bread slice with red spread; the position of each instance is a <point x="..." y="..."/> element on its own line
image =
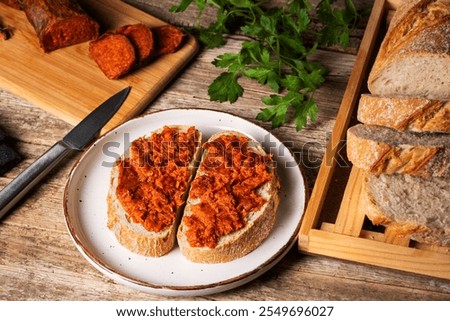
<point x="232" y="202"/>
<point x="149" y="187"/>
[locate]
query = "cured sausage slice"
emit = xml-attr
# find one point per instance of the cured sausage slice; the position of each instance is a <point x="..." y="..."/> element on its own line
<point x="169" y="39"/>
<point x="60" y="23"/>
<point x="133" y="46"/>
<point x="114" y="54"/>
<point x="142" y="39"/>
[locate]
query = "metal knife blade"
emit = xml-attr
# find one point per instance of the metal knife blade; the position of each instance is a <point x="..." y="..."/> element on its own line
<point x="76" y="140"/>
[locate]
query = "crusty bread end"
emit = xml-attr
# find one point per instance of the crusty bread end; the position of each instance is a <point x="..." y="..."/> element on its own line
<point x="383" y="150"/>
<point x="414" y="57"/>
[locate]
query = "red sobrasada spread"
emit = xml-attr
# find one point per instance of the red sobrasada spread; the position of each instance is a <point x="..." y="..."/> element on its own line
<point x="227" y="189"/>
<point x="155" y="177"/>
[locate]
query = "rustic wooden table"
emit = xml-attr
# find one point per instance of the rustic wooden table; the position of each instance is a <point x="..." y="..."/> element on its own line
<point x="39" y="261"/>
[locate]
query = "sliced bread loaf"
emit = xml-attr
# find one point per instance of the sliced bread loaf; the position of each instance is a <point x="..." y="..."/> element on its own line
<point x="149" y="187"/>
<point x="412" y="206"/>
<point x="414" y="57"/>
<point x="384" y="150"/>
<point x="232" y="203"/>
<point x="405" y="113"/>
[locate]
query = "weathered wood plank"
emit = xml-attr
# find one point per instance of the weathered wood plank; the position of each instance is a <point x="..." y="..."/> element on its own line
<point x="38" y="260"/>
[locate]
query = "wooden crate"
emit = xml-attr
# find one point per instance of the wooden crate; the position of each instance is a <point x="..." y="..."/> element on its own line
<point x="332" y="225"/>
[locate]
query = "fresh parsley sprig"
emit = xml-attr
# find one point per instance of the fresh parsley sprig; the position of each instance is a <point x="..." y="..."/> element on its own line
<point x="276" y="55"/>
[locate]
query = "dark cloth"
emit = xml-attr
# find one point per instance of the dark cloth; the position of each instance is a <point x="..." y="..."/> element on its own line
<point x="8" y="156"/>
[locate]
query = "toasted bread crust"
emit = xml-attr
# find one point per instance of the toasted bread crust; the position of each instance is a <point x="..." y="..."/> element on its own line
<point x="383" y="156"/>
<point x="416" y="114"/>
<point x="240" y="242"/>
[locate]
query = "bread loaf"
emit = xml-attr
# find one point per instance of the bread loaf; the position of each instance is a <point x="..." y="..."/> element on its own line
<point x="383" y="150"/>
<point x="149" y="187"/>
<point x="416" y="114"/>
<point x="59" y="23"/>
<point x="414" y="57"/>
<point x="412" y="206"/>
<point x="232" y="203"/>
<point x="403" y="143"/>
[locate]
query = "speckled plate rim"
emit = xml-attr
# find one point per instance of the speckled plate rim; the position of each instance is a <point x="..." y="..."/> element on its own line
<point x="216" y="120"/>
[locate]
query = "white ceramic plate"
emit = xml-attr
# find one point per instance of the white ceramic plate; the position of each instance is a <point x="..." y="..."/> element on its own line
<point x="86" y="212"/>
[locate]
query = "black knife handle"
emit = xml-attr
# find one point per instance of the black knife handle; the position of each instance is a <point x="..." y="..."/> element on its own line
<point x="19" y="186"/>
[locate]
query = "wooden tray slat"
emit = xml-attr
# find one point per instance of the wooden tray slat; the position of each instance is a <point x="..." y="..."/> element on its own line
<point x="376" y="253"/>
<point x="350" y="224"/>
<point x="348" y="103"/>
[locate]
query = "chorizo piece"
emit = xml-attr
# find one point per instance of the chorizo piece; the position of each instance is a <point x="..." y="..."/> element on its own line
<point x="12" y="3"/>
<point x="142" y="39"/>
<point x="133" y="46"/>
<point x="168" y="38"/>
<point x="60" y="23"/>
<point x="114" y="54"/>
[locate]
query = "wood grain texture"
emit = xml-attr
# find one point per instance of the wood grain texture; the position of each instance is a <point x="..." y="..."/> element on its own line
<point x="347" y="106"/>
<point x="38" y="260"/>
<point x="54" y="81"/>
<point x="350" y="224"/>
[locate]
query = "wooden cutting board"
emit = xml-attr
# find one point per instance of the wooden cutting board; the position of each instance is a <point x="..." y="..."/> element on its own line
<point x="66" y="82"/>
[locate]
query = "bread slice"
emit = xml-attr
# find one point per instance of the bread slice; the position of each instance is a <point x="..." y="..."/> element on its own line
<point x="256" y="224"/>
<point x="414" y="57"/>
<point x="411" y="206"/>
<point x="380" y="149"/>
<point x="131" y="233"/>
<point x="416" y="114"/>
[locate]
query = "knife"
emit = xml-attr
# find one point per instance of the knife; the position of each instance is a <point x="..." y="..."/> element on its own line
<point x="76" y="140"/>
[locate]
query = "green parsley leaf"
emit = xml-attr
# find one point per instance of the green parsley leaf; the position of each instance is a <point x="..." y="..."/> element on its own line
<point x="276" y="114"/>
<point x="280" y="104"/>
<point x="231" y="61"/>
<point x="225" y="88"/>
<point x="242" y="3"/>
<point x="337" y="22"/>
<point x="303" y="111"/>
